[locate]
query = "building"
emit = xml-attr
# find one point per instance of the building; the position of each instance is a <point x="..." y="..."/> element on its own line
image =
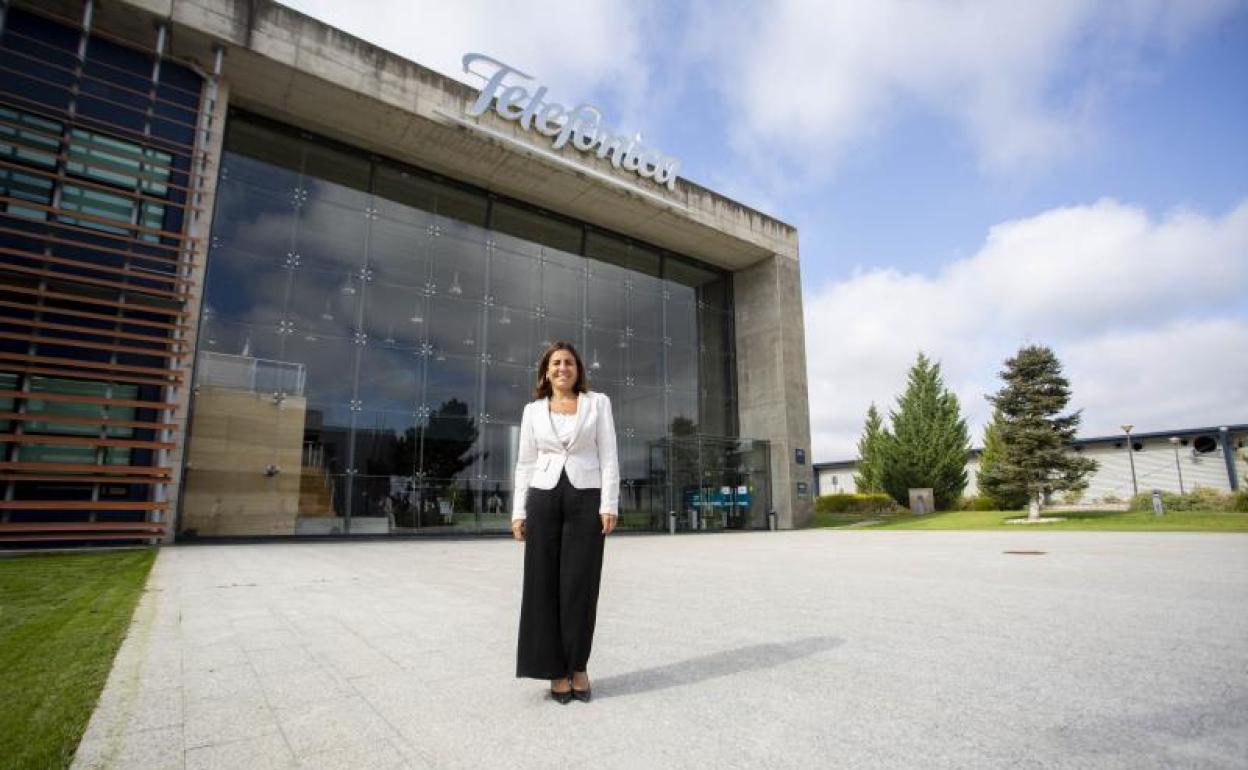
<point x="1172" y="461"/>
<point x="259" y="277"/>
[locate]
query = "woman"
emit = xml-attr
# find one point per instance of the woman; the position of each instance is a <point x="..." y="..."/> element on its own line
<point x="567" y="491"/>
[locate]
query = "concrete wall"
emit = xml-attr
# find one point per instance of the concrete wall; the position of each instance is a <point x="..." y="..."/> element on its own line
<point x="771" y="379"/>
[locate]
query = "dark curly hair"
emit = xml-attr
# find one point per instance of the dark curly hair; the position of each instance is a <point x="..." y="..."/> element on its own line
<point x="544" y="389"/>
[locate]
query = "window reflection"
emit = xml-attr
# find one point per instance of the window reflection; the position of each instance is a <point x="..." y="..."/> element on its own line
<point x="377" y="345"/>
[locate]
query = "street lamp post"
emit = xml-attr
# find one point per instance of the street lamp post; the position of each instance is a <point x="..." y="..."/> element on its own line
<point x="1135" y="487"/>
<point x="1174" y="442"/>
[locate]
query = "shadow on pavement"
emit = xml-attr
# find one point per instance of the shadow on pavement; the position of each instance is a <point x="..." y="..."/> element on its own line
<point x="712" y="666"/>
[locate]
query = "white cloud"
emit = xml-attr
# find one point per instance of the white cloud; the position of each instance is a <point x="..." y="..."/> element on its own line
<point x="814" y="76"/>
<point x="596" y="47"/>
<point x="1149" y="316"/>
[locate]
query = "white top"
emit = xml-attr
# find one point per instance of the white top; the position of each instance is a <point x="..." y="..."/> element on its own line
<point x="564" y="425"/>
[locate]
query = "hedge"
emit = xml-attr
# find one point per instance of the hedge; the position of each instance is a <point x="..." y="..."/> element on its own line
<point x="1199" y="499"/>
<point x="857" y="503"/>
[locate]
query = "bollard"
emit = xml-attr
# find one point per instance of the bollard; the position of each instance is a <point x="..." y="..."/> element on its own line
<point x="1158" y="507"/>
<point x="771" y="520"/>
<point x="671" y="522"/>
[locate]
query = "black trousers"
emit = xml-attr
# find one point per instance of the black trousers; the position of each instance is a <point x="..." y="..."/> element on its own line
<point x="563" y="545"/>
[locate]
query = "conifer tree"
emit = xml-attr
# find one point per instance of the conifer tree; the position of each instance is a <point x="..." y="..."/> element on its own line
<point x="1036" y="460"/>
<point x="928" y="444"/>
<point x="870" y="448"/>
<point x="1005" y="499"/>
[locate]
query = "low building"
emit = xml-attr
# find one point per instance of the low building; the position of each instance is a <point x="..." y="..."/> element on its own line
<point x="1172" y="461"/>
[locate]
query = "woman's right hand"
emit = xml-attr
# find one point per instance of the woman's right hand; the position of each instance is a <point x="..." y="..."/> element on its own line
<point x="517" y="529"/>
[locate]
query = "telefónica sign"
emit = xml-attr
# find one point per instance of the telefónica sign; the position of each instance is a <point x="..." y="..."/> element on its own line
<point x="582" y="126"/>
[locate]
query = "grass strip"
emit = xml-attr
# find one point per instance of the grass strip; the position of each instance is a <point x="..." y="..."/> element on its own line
<point x="62" y="619"/>
<point x="1117" y="521"/>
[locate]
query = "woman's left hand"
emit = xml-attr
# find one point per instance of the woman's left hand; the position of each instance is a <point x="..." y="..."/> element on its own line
<point x="608" y="522"/>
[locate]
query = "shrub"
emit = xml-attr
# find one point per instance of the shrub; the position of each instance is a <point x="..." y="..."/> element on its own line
<point x="1240" y="503"/>
<point x="978" y="503"/>
<point x="856" y="503"/>
<point x="1199" y="499"/>
<point x="1210" y="499"/>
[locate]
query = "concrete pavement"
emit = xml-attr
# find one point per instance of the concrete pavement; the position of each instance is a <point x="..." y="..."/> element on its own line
<point x="814" y="648"/>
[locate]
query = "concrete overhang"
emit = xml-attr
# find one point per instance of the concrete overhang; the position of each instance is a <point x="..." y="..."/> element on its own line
<point x="288" y="66"/>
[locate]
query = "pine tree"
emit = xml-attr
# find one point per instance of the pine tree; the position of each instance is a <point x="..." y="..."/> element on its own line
<point x="929" y="444"/>
<point x="870" y="447"/>
<point x="1036" y="460"/>
<point x="989" y="486"/>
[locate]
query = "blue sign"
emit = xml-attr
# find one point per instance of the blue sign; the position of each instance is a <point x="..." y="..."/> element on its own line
<point x="720" y="497"/>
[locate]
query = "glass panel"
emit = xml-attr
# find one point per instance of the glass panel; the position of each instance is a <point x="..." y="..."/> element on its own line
<point x="607" y="295"/>
<point x="451" y="386"/>
<point x="645" y="314"/>
<point x="536" y="227"/>
<point x="323" y="304"/>
<point x="681" y="316"/>
<point x="330" y="237"/>
<point x="117" y="162"/>
<point x="637" y="410"/>
<point x="559" y="329"/>
<point x="401" y="193"/>
<point x="515" y="280"/>
<point x="450" y="444"/>
<point x="617" y="251"/>
<point x="328" y="364"/>
<point x="688" y="274"/>
<point x="498" y="446"/>
<point x="389" y="379"/>
<point x="255" y="220"/>
<point x="454" y="326"/>
<point x="682" y="368"/>
<point x="397" y="254"/>
<point x="458" y="258"/>
<point x="512" y="336"/>
<point x="563" y="289"/>
<point x="335" y="176"/>
<point x="682" y="412"/>
<point x="645" y="362"/>
<point x="605" y="354"/>
<point x="29" y="138"/>
<point x="394" y="316"/>
<point x="507" y="390"/>
<point x="27" y="187"/>
<point x="387" y="443"/>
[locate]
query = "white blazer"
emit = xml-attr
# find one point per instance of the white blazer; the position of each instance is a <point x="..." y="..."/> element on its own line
<point x="591" y="458"/>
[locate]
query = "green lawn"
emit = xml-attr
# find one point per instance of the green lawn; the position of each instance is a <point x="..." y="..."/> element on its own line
<point x="62" y="618"/>
<point x="1178" y="521"/>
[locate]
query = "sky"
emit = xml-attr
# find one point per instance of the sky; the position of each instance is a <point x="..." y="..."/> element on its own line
<point x="966" y="177"/>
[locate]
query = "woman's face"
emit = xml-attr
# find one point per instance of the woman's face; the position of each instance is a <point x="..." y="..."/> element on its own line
<point x="561" y="371"/>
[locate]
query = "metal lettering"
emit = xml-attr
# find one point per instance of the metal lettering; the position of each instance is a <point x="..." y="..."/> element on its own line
<point x="584" y="126"/>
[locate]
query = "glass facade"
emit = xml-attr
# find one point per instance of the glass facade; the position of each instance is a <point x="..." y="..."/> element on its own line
<point x="370" y="334"/>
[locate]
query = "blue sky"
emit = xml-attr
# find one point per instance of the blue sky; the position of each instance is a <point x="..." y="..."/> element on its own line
<point x="966" y="177"/>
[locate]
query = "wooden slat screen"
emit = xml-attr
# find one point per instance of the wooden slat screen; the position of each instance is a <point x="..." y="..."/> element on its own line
<point x="101" y="143"/>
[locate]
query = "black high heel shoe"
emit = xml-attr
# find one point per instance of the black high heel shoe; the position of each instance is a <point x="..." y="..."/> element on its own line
<point x="582" y="695"/>
<point x="562" y="698"/>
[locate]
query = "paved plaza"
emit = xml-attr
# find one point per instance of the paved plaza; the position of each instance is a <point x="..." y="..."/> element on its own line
<point x="806" y="649"/>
